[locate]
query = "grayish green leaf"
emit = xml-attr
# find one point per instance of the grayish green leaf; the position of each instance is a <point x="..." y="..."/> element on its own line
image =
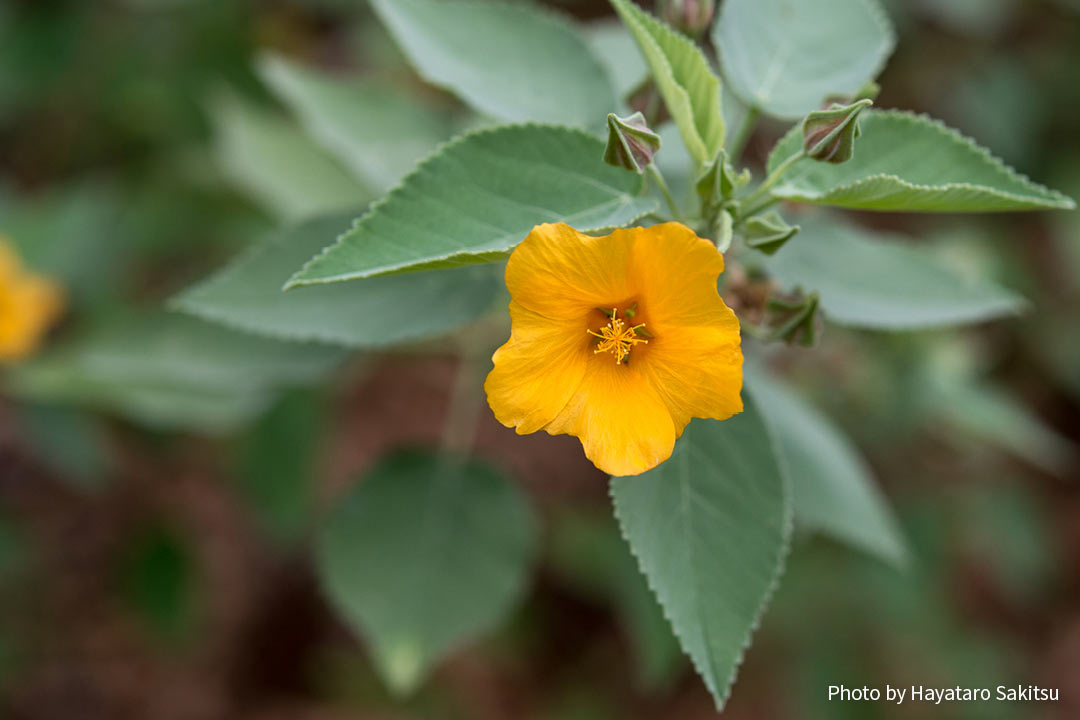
<point x="905" y="161"/>
<point x="871" y="281"/>
<point x="167" y="370"/>
<point x="785" y="57"/>
<point x="710" y="528"/>
<point x="618" y="53"/>
<point x="832" y="488"/>
<point x="377" y="132"/>
<point x="476" y="198"/>
<point x="690" y="90"/>
<point x="426" y="554"/>
<point x="375" y="312"/>
<point x="277" y="166"/>
<point x="514" y="62"/>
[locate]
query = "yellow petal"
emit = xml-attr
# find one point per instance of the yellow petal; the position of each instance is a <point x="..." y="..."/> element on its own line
<point x="697" y="371"/>
<point x="561" y="273"/>
<point x="623" y="424"/>
<point x="28" y="306"/>
<point x="536" y="371"/>
<point x="675" y="272"/>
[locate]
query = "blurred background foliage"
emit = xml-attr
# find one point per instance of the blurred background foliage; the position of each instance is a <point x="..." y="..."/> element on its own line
<point x="150" y="571"/>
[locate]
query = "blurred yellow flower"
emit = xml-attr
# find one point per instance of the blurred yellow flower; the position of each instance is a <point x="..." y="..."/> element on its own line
<point x="29" y="304"/>
<point x="618" y="340"/>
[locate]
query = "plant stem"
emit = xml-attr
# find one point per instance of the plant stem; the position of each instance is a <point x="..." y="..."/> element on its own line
<point x="742" y="135"/>
<point x="774" y="177"/>
<point x="466" y="399"/>
<point x="655" y="173"/>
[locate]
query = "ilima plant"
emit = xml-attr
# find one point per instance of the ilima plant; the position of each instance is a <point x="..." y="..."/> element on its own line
<point x="592" y="179"/>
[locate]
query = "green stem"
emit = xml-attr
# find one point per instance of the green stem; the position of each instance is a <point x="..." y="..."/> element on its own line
<point x="466" y="399"/>
<point x="655" y="173"/>
<point x="773" y="178"/>
<point x="750" y="212"/>
<point x="742" y="135"/>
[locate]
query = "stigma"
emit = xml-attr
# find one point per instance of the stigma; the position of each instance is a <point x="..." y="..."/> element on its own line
<point x="618" y="337"/>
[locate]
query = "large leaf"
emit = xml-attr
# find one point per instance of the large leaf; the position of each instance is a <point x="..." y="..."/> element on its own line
<point x="512" y="62"/>
<point x="377" y="132"/>
<point x="424" y="555"/>
<point x="831" y="485"/>
<point x="279" y="167"/>
<point x="478" y="197"/>
<point x="374" y="312"/>
<point x="690" y="90"/>
<point x="710" y="528"/>
<point x="168" y="370"/>
<point x="905" y="161"/>
<point x="784" y="57"/>
<point x="870" y="281"/>
<point x="617" y="51"/>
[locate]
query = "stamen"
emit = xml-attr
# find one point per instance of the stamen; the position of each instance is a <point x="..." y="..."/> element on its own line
<point x="617" y="338"/>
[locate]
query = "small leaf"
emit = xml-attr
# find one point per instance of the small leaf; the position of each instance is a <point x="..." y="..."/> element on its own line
<point x="375" y="312"/>
<point x="167" y="370"/>
<point x="476" y="198"/>
<point x="277" y="166"/>
<point x="377" y="132"/>
<point x="424" y="555"/>
<point x="910" y="162"/>
<point x="690" y="90"/>
<point x="768" y="233"/>
<point x="785" y="57"/>
<point x="864" y="280"/>
<point x="831" y="485"/>
<point x="710" y="528"/>
<point x="515" y="63"/>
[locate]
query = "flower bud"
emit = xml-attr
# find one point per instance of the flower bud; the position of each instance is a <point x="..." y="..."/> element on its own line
<point x="768" y="232"/>
<point x="631" y="144"/>
<point x="692" y="17"/>
<point x="718" y="182"/>
<point x="829" y="135"/>
<point x="794" y="319"/>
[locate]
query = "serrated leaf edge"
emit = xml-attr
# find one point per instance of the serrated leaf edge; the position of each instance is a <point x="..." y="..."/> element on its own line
<point x="298" y="279"/>
<point x="784" y="551"/>
<point x="1060" y="201"/>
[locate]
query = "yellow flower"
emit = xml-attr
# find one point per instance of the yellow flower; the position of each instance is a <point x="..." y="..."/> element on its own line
<point x="29" y="304"/>
<point x="618" y="340"/>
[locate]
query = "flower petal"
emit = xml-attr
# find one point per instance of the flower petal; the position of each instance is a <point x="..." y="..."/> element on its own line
<point x="623" y="424"/>
<point x="697" y="371"/>
<point x="537" y="370"/>
<point x="561" y="273"/>
<point x="676" y="272"/>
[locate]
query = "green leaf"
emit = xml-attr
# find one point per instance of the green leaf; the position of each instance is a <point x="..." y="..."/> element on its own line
<point x="158" y="580"/>
<point x="377" y="132"/>
<point x="710" y="528"/>
<point x="85" y="465"/>
<point x="424" y="555"/>
<point x="690" y="89"/>
<point x="785" y="57"/>
<point x="618" y="53"/>
<point x="375" y="312"/>
<point x="513" y="62"/>
<point x="910" y="162"/>
<point x="865" y="280"/>
<point x="277" y="468"/>
<point x="278" y="167"/>
<point x="167" y="370"/>
<point x="832" y="488"/>
<point x="478" y="197"/>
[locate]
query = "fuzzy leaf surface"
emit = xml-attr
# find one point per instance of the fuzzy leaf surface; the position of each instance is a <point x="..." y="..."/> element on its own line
<point x="370" y="313"/>
<point x="785" y="57"/>
<point x="513" y="62"/>
<point x="875" y="281"/>
<point x="427" y="553"/>
<point x="710" y="528"/>
<point x="905" y="161"/>
<point x="690" y="89"/>
<point x="476" y="198"/>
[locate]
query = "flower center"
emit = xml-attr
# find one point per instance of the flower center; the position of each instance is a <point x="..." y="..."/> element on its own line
<point x="618" y="337"/>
